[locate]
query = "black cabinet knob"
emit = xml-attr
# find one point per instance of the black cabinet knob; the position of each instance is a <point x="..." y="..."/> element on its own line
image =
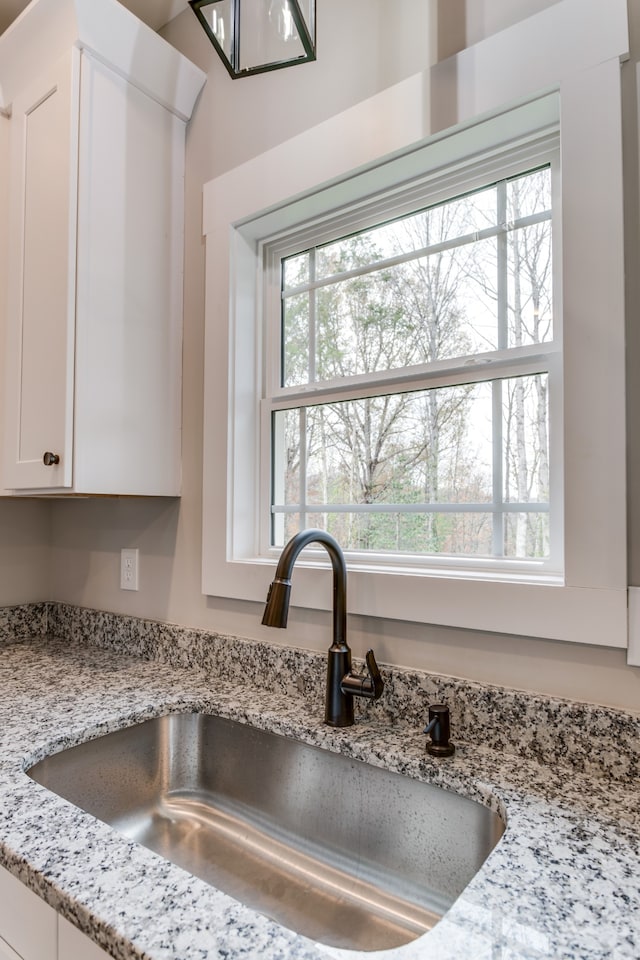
<point x="50" y="459"/>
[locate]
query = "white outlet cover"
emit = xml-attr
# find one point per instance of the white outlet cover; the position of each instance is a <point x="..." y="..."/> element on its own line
<point x="129" y="562"/>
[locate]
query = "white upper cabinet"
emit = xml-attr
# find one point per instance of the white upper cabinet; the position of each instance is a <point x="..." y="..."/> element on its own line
<point x="41" y="286"/>
<point x="94" y="307"/>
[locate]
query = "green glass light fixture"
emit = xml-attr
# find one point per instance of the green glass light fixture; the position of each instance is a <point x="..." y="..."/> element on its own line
<point x="253" y="36"/>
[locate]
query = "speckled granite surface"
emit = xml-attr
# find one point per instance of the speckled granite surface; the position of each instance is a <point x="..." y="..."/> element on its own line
<point x="591" y="739"/>
<point x="562" y="883"/>
<point x="24" y="621"/>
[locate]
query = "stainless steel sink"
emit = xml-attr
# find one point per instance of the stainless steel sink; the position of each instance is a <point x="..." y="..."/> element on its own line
<point x="335" y="849"/>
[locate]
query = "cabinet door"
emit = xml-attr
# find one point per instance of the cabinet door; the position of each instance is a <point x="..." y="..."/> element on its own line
<point x="27" y="924"/>
<point x="41" y="281"/>
<point x="6" y="953"/>
<point x="74" y="945"/>
<point x="127" y="420"/>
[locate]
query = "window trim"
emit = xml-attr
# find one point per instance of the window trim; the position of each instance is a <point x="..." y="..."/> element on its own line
<point x="590" y="606"/>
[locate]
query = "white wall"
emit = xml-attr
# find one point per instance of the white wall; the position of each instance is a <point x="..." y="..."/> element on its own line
<point x="24" y="552"/>
<point x="233" y="121"/>
<point x="461" y="23"/>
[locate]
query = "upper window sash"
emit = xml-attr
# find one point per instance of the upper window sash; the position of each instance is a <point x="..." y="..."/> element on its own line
<point x="276" y="252"/>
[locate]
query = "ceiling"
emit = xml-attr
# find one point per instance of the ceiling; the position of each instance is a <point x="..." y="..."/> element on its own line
<point x="153" y="12"/>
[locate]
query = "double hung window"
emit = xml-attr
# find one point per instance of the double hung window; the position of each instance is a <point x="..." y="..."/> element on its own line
<point x="413" y="379"/>
<point x="426" y="348"/>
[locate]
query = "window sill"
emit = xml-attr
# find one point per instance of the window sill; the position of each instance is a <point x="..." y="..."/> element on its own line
<point x="542" y="607"/>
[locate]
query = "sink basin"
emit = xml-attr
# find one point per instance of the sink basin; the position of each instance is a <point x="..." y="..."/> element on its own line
<point x="338" y="850"/>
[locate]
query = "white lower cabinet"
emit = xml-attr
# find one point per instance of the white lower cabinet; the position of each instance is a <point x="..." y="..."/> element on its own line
<point x="31" y="930"/>
<point x="6" y="953"/>
<point x="28" y="925"/>
<point x="73" y="945"/>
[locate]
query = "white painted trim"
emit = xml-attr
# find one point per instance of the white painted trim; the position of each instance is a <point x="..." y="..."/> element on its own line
<point x="593" y="312"/>
<point x="591" y="607"/>
<point x="47" y="29"/>
<point x="633" y="653"/>
<point x="357" y="137"/>
<point x="531" y="56"/>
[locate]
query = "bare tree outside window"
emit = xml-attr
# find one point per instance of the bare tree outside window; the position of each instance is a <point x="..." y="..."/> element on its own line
<point x="425" y="466"/>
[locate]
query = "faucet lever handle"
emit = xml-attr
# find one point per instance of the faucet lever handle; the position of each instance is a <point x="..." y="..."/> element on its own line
<point x="374" y="673"/>
<point x="361" y="685"/>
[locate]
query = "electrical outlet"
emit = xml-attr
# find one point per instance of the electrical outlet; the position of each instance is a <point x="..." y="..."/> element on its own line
<point x="129" y="569"/>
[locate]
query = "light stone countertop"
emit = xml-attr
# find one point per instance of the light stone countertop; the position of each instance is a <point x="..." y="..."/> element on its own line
<point x="563" y="882"/>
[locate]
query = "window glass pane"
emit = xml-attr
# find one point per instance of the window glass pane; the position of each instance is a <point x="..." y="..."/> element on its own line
<point x="468" y="276"/>
<point x="287" y="451"/>
<point x="427" y="309"/>
<point x="388" y="456"/>
<point x="461" y="292"/>
<point x="441" y="224"/>
<point x="526" y="463"/>
<point x="529" y="194"/>
<point x="525" y="441"/>
<point x="450" y="534"/>
<point x="285" y="526"/>
<point x="530" y="285"/>
<point x="530" y="302"/>
<point x="361" y="328"/>
<point x="526" y="535"/>
<point x="295" y="271"/>
<point x="296" y="346"/>
<point x="433" y="446"/>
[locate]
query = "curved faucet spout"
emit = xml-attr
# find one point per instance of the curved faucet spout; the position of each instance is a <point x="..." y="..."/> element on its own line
<point x="277" y="606"/>
<point x="342" y="684"/>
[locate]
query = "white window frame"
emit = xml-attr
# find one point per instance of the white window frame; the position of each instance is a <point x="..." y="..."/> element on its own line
<point x="545" y="357"/>
<point x="589" y="602"/>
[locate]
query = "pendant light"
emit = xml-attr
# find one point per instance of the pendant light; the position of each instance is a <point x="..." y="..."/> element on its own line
<point x="253" y="36"/>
